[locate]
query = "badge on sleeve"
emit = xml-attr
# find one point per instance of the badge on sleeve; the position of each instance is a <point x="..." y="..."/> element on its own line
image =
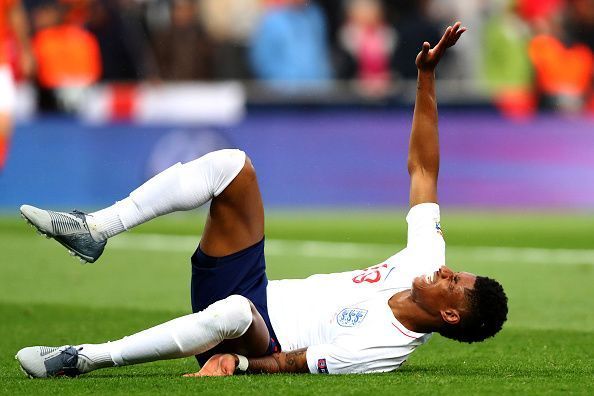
<point x="322" y="367"/>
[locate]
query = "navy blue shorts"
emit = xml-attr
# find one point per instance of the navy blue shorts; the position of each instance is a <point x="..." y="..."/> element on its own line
<point x="243" y="273"/>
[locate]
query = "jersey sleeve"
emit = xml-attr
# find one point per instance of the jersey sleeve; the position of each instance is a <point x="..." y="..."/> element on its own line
<point x="425" y="237"/>
<point x="336" y="359"/>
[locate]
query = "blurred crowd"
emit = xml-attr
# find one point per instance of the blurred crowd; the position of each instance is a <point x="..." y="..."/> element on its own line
<point x="526" y="52"/>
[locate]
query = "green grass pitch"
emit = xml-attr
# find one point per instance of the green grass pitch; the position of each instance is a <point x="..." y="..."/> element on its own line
<point x="547" y="346"/>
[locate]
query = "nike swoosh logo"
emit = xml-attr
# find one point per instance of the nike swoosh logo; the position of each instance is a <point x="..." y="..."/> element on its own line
<point x="388" y="274"/>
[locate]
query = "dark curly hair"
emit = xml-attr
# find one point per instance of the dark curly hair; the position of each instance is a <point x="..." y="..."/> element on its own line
<point x="487" y="305"/>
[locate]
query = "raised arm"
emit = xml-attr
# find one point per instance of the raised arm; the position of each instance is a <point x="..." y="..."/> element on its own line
<point x="423" y="151"/>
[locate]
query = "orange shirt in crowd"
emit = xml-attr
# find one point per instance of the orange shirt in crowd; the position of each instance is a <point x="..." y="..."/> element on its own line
<point x="561" y="70"/>
<point x="66" y="55"/>
<point x="5" y="32"/>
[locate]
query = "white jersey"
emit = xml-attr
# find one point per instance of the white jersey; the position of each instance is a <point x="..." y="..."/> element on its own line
<point x="344" y="320"/>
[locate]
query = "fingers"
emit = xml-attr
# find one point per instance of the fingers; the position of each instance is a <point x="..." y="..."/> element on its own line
<point x="205" y="374"/>
<point x="457" y="31"/>
<point x="217" y="366"/>
<point x="450" y="36"/>
<point x="443" y="42"/>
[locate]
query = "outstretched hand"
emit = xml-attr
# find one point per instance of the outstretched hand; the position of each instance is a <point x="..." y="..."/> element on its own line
<point x="429" y="57"/>
<point x="219" y="365"/>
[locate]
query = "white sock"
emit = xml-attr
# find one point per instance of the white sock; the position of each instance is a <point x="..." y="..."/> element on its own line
<point x="182" y="337"/>
<point x="97" y="356"/>
<point x="180" y="187"/>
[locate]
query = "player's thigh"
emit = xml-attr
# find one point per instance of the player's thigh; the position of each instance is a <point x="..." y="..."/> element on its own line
<point x="236" y="217"/>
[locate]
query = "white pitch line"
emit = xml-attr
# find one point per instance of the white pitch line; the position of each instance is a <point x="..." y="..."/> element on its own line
<point x="346" y="250"/>
<point x="526" y="255"/>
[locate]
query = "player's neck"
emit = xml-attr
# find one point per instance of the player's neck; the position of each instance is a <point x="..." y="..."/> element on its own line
<point x="410" y="315"/>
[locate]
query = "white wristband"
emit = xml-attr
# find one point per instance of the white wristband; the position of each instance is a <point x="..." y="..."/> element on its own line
<point x="243" y="363"/>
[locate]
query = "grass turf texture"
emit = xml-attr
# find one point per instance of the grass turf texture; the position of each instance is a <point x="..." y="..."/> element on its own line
<point x="547" y="346"/>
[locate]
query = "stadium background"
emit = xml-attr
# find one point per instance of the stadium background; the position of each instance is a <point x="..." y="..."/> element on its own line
<point x="139" y="85"/>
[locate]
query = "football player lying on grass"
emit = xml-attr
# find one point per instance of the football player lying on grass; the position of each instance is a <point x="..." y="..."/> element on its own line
<point x="368" y="320"/>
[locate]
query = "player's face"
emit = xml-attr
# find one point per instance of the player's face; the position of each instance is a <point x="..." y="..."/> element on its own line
<point x="442" y="293"/>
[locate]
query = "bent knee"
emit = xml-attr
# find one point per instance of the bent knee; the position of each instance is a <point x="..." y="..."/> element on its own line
<point x="238" y="313"/>
<point x="249" y="170"/>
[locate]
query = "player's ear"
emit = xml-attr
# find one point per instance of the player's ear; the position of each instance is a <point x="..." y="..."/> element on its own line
<point x="450" y="316"/>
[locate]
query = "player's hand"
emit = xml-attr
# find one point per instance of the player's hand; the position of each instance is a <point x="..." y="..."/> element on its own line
<point x="429" y="57"/>
<point x="219" y="365"/>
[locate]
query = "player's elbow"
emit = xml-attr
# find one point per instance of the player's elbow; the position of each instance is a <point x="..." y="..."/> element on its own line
<point x="412" y="165"/>
<point x="426" y="168"/>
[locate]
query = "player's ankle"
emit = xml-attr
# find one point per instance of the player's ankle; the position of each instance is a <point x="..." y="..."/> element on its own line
<point x="105" y="223"/>
<point x="93" y="357"/>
